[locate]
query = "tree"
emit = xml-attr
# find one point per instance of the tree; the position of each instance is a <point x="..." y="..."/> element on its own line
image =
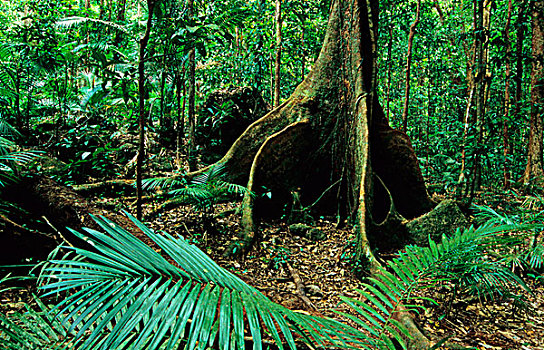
<point x="277" y="62"/>
<point x="141" y="107"/>
<point x="534" y="172"/>
<point x="413" y="28"/>
<point x="191" y="116"/>
<point x="332" y="130"/>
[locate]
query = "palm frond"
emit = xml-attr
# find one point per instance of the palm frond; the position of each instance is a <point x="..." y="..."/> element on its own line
<point x="33" y="330"/>
<point x="535" y="257"/>
<point x="8" y="131"/>
<point x="75" y="21"/>
<point x="162" y="182"/>
<point x="127" y="292"/>
<point x="461" y="260"/>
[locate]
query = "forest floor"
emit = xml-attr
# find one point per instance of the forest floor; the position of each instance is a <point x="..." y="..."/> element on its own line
<point x="309" y="276"/>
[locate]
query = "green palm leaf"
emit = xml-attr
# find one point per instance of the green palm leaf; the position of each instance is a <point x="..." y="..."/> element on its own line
<point x="462" y="260"/>
<point x="125" y="292"/>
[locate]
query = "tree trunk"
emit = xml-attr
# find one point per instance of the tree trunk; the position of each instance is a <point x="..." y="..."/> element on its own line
<point x="277" y="61"/>
<point x="389" y="64"/>
<point x="505" y="131"/>
<point x="142" y="112"/>
<point x="520" y="35"/>
<point x="191" y="117"/>
<point x="408" y="67"/>
<point x="534" y="172"/>
<point x="483" y="82"/>
<point x="333" y="130"/>
<point x="479" y="80"/>
<point x="180" y="124"/>
<point x="121" y="10"/>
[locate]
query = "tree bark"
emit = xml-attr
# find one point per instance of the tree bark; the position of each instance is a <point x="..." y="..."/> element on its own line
<point x="520" y="35"/>
<point x="277" y="61"/>
<point x="479" y="79"/>
<point x="333" y="130"/>
<point x="507" y="104"/>
<point x="389" y="65"/>
<point x="534" y="172"/>
<point x="408" y="67"/>
<point x="483" y="82"/>
<point x="191" y="116"/>
<point x="142" y="111"/>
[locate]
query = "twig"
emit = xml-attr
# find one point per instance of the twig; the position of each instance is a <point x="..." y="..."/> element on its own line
<point x="57" y="231"/>
<point x="300" y="287"/>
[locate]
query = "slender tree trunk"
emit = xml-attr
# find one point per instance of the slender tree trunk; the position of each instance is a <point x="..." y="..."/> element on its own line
<point x="121" y="10"/>
<point x="520" y="35"/>
<point x="505" y="131"/>
<point x="259" y="53"/>
<point x="408" y="67"/>
<point x="142" y="111"/>
<point x="534" y="172"/>
<point x="389" y="65"/>
<point x="483" y="81"/>
<point x="101" y="6"/>
<point x="303" y="56"/>
<point x="180" y="127"/>
<point x="467" y="120"/>
<point x="277" y="64"/>
<point x="191" y="115"/>
<point x="478" y="81"/>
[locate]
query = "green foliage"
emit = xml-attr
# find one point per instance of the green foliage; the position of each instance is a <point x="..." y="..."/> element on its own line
<point x="530" y="254"/>
<point x="122" y="293"/>
<point x="11" y="158"/>
<point x="33" y="330"/>
<point x="89" y="150"/>
<point x="203" y="191"/>
<point x="462" y="260"/>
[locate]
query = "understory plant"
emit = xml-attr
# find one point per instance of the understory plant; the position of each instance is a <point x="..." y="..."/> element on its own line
<point x="203" y="191"/>
<point x="529" y="254"/>
<point x="123" y="294"/>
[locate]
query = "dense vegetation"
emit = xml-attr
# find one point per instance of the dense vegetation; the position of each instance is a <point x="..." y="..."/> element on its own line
<point x="132" y="104"/>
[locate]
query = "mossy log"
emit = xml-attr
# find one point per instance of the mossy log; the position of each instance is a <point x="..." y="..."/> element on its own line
<point x="46" y="209"/>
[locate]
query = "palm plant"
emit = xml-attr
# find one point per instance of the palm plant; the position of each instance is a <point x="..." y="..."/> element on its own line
<point x="11" y="159"/>
<point x="126" y="295"/>
<point x="203" y="191"/>
<point x="529" y="253"/>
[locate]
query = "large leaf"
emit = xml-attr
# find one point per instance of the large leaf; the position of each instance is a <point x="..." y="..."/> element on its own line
<point x="125" y="292"/>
